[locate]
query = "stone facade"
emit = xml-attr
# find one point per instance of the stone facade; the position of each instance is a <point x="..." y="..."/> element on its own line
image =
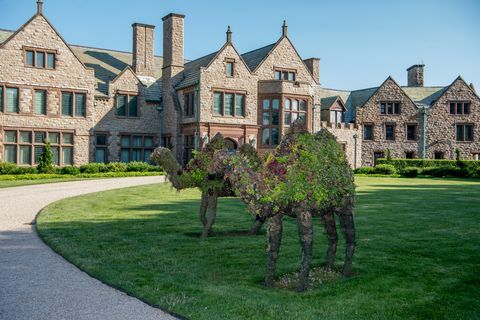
<point x="173" y="99"/>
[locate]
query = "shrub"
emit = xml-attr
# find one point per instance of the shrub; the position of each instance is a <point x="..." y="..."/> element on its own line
<point x="423" y="163"/>
<point x="70" y="170"/>
<point x="386" y="169"/>
<point x="8" y="168"/>
<point x="365" y="170"/>
<point x="117" y="167"/>
<point x="93" y="168"/>
<point x="451" y="171"/>
<point x="389" y="155"/>
<point x="410" y="172"/>
<point x="45" y="161"/>
<point x="29" y="170"/>
<point x="137" y="166"/>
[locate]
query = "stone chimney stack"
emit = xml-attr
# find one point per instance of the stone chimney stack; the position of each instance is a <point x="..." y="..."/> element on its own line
<point x="143" y="57"/>
<point x="415" y="75"/>
<point x="173" y="40"/>
<point x="313" y="64"/>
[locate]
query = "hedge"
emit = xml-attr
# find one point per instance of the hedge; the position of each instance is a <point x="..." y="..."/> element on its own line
<point x="41" y="176"/>
<point x="90" y="168"/>
<point x="399" y="164"/>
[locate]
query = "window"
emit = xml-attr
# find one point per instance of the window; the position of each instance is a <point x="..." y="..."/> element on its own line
<point x="411" y="132"/>
<point x="464" y="132"/>
<point x="390" y="107"/>
<point x="40" y="102"/>
<point x="439" y="155"/>
<point x="9" y="99"/>
<point x="294" y="110"/>
<point x="389" y="132"/>
<point x="368" y="132"/>
<point x="39" y="58"/>
<point x="285" y="74"/>
<point x="229" y="104"/>
<point x="270" y="121"/>
<point x="136" y="148"/>
<point x="189" y="104"/>
<point x="409" y="154"/>
<point x="30" y="143"/>
<point x="459" y="107"/>
<point x="74" y="103"/>
<point x="189" y="146"/>
<point x="336" y="116"/>
<point x="127" y="105"/>
<point x="230" y="68"/>
<point x="101" y="147"/>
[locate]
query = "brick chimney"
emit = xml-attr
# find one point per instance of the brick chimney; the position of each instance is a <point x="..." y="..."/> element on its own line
<point x="415" y="75"/>
<point x="313" y="64"/>
<point x="143" y="58"/>
<point x="173" y="40"/>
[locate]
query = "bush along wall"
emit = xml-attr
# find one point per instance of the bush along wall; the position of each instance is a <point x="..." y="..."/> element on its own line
<point x="424" y="167"/>
<point x="90" y="168"/>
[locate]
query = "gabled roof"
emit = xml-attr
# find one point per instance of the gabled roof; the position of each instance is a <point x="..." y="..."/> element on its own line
<point x="192" y="70"/>
<point x="326" y="103"/>
<point x="424" y="95"/>
<point x="255" y="57"/>
<point x="108" y="64"/>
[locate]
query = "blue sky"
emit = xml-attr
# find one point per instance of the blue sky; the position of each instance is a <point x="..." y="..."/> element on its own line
<point x="360" y="43"/>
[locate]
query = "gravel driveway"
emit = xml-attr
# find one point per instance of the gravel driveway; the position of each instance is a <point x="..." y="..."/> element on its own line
<point x="35" y="282"/>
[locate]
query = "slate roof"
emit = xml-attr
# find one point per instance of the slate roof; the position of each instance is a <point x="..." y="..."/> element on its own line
<point x="326" y="103"/>
<point x="192" y="70"/>
<point x="424" y="95"/>
<point x="108" y="64"/>
<point x="253" y="58"/>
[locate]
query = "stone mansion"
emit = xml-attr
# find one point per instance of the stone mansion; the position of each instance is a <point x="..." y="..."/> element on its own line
<point x="105" y="105"/>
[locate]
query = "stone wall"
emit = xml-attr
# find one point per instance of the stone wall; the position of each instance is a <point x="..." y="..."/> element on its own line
<point x="69" y="75"/>
<point x="370" y="114"/>
<point x="441" y="125"/>
<point x="350" y="136"/>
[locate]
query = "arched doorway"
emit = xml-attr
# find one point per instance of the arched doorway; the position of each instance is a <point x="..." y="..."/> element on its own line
<point x="231" y="144"/>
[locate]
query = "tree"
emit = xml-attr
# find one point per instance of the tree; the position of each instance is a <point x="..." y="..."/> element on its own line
<point x="45" y="161"/>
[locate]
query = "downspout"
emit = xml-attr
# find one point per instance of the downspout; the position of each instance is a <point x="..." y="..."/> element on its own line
<point x="197" y="115"/>
<point x="355" y="136"/>
<point x="424" y="136"/>
<point x="160" y="126"/>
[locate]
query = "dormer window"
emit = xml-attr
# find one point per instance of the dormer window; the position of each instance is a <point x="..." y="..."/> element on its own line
<point x="230" y="67"/>
<point x="285" y="74"/>
<point x="40" y="58"/>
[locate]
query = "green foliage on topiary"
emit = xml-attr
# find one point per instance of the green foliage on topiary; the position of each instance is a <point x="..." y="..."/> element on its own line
<point x="93" y="168"/>
<point x="117" y="166"/>
<point x="70" y="170"/>
<point x="45" y="161"/>
<point x="365" y="170"/>
<point x="410" y="172"/>
<point x="389" y="155"/>
<point x="386" y="169"/>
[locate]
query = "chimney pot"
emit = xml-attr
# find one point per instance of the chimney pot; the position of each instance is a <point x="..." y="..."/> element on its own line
<point x="39" y="6"/>
<point x="415" y="75"/>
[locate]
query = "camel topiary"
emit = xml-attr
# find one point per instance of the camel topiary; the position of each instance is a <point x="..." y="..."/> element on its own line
<point x="195" y="175"/>
<point x="306" y="176"/>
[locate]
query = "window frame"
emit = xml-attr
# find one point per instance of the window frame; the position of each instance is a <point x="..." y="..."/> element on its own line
<point x="230" y="61"/>
<point x="393" y="103"/>
<point x="284" y="71"/>
<point x="415" y="125"/>
<point x="298" y="112"/>
<point x="371" y="132"/>
<point x="464" y="125"/>
<point x="234" y="106"/>
<point x="455" y="109"/>
<point x="46" y="101"/>
<point x="270" y="127"/>
<point x="188" y="108"/>
<point x="129" y="96"/>
<point x="101" y="146"/>
<point x="3" y="102"/>
<point x="393" y="125"/>
<point x="32" y="144"/>
<point x="74" y="102"/>
<point x="46" y="53"/>
<point x="131" y="146"/>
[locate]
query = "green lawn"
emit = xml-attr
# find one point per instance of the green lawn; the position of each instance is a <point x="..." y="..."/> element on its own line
<point x="418" y="253"/>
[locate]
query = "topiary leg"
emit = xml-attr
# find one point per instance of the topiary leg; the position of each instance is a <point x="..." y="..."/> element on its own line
<point x="331" y="230"/>
<point x="212" y="214"/>
<point x="256" y="226"/>
<point x="203" y="208"/>
<point x="274" y="235"/>
<point x="305" y="231"/>
<point x="348" y="226"/>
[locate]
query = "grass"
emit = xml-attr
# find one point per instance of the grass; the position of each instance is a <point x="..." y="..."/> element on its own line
<point x="417" y="253"/>
<point x="10" y="180"/>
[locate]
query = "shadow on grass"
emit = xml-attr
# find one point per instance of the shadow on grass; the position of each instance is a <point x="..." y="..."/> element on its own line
<point x="414" y="246"/>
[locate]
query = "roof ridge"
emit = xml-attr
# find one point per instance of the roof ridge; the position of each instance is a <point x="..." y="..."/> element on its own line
<point x="8" y="30"/>
<point x="213" y="53"/>
<point x="97" y="48"/>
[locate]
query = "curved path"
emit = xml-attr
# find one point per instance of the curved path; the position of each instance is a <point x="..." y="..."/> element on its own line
<point x="35" y="282"/>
